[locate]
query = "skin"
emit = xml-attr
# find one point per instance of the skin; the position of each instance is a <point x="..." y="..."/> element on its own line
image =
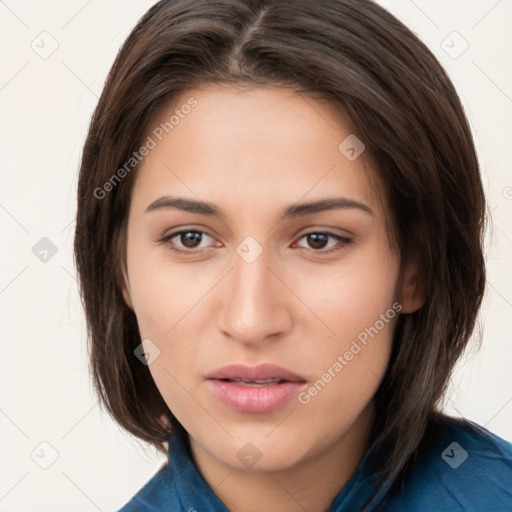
<point x="253" y="152"/>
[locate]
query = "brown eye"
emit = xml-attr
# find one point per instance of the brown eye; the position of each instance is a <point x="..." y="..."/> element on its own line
<point x="186" y="240"/>
<point x="319" y="240"/>
<point x="190" y="239"/>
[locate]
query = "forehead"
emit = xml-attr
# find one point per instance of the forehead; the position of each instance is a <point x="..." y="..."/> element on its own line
<point x="246" y="145"/>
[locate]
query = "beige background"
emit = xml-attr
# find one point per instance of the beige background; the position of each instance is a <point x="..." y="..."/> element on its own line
<point x="46" y="104"/>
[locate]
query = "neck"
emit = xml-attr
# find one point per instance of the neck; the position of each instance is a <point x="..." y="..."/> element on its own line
<point x="311" y="484"/>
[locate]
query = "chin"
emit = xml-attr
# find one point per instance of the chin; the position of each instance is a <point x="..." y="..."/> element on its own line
<point x="258" y="453"/>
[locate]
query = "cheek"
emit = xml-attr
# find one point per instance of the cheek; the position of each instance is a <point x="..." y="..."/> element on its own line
<point x="358" y="312"/>
<point x="354" y="298"/>
<point x="154" y="306"/>
<point x="348" y="366"/>
<point x="163" y="295"/>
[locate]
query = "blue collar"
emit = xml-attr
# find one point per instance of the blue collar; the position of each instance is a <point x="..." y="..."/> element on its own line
<point x="484" y="483"/>
<point x="195" y="494"/>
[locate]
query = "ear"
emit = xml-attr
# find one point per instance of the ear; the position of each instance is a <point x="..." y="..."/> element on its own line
<point x="125" y="286"/>
<point x="411" y="290"/>
<point x="127" y="298"/>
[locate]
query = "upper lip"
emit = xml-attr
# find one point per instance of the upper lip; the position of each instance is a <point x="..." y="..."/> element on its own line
<point x="259" y="372"/>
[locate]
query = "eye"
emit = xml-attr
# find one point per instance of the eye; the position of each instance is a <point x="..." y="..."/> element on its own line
<point x="320" y="240"/>
<point x="186" y="240"/>
<point x="189" y="240"/>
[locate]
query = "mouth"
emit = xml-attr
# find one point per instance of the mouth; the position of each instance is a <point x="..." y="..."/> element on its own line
<point x="261" y="374"/>
<point x="258" y="389"/>
<point x="255" y="383"/>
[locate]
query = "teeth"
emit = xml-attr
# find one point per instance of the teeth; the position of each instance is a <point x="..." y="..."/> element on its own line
<point x="256" y="381"/>
<point x="259" y="381"/>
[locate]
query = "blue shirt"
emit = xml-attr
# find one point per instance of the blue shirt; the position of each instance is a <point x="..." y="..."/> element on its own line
<point x="463" y="469"/>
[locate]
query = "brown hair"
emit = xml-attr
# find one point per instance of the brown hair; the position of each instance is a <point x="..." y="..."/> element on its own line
<point x="391" y="89"/>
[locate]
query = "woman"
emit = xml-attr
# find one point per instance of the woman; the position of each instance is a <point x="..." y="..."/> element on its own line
<point x="279" y="246"/>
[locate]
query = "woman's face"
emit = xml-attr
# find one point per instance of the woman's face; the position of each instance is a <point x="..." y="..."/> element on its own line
<point x="261" y="277"/>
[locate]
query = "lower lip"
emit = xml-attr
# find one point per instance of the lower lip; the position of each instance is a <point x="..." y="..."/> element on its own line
<point x="254" y="398"/>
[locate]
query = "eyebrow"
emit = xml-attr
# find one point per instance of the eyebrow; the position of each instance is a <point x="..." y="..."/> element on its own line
<point x="293" y="211"/>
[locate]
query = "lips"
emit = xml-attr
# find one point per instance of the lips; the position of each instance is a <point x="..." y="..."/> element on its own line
<point x="263" y="374"/>
<point x="255" y="389"/>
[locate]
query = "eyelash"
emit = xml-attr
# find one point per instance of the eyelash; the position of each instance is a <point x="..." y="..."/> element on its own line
<point x="342" y="240"/>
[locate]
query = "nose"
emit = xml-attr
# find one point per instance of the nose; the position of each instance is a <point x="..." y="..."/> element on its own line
<point x="255" y="302"/>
